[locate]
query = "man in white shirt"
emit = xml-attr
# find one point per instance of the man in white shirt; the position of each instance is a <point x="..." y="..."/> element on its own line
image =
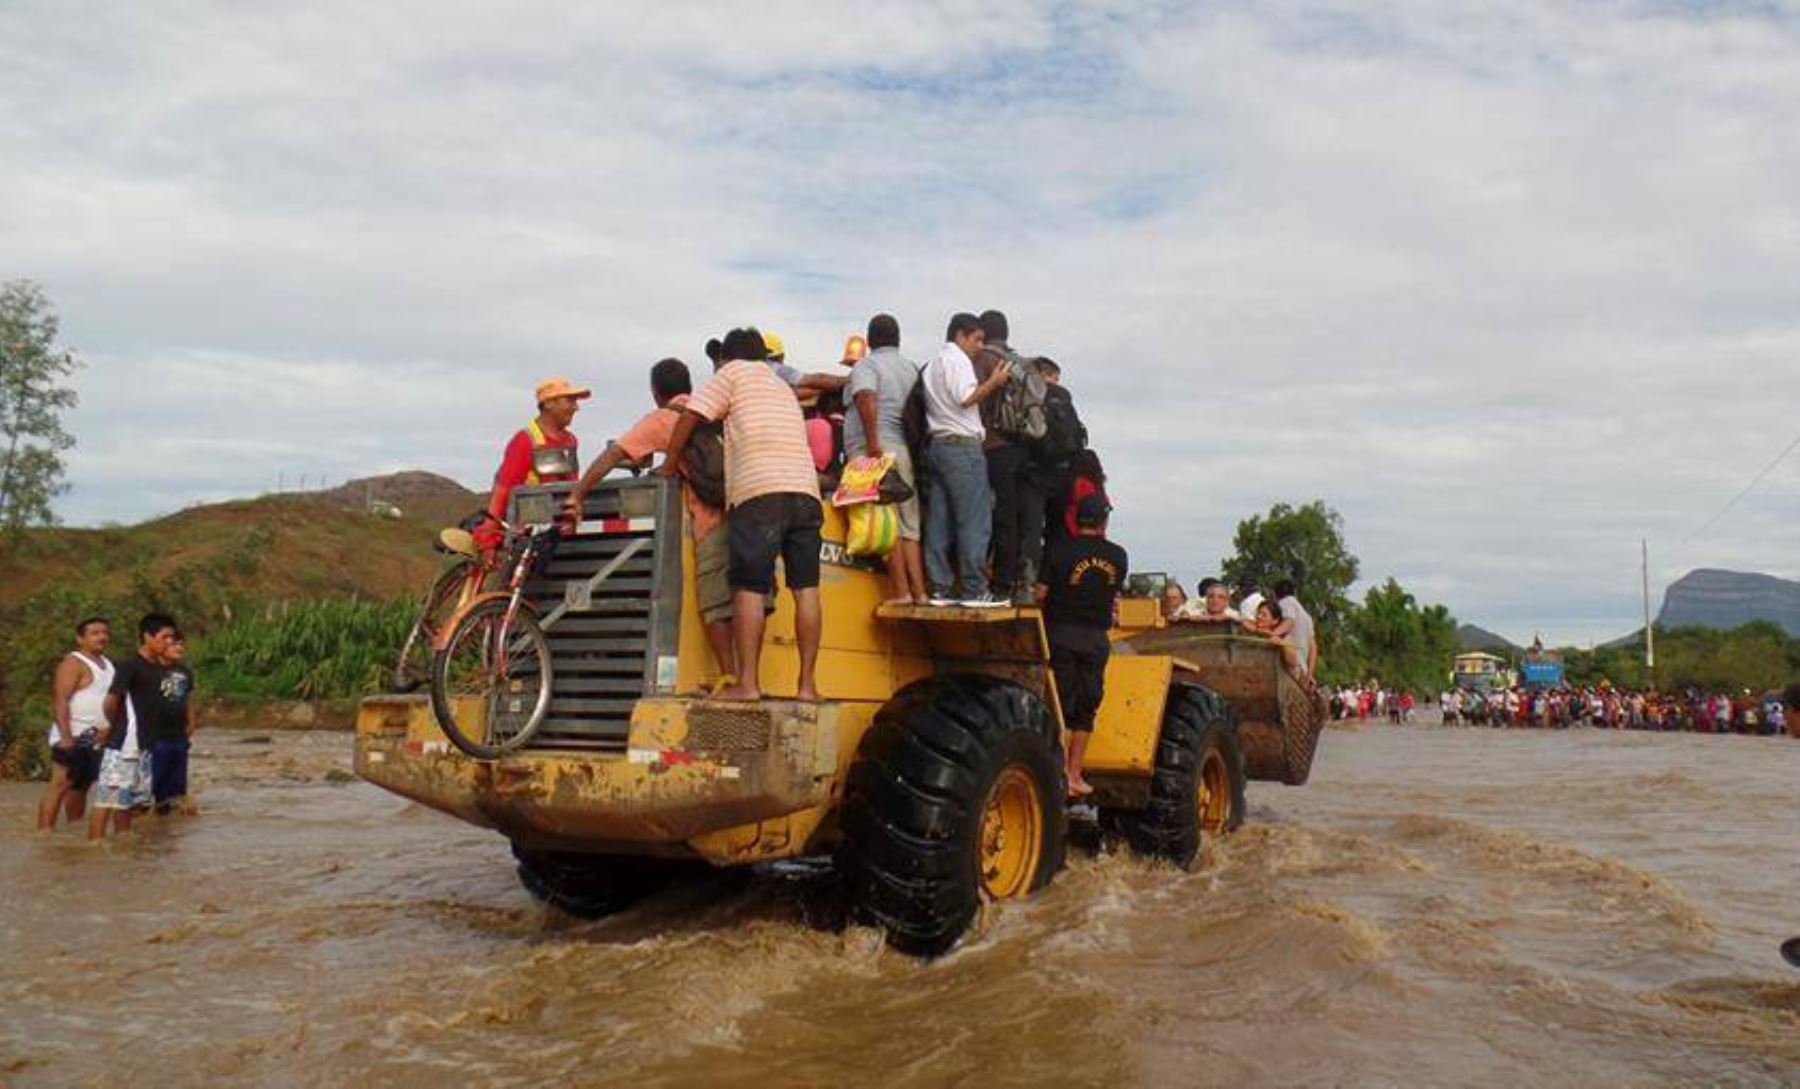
<point x="1297" y="626"/>
<point x="958" y="501"/>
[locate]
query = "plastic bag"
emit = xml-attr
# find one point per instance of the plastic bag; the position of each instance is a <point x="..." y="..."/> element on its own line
<point x="874" y="529"/>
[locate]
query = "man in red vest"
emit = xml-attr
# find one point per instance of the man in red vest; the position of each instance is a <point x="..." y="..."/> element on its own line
<point x="543" y="452"/>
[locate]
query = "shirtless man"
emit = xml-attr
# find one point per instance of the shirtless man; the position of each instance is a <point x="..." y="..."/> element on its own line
<point x="78" y="712"/>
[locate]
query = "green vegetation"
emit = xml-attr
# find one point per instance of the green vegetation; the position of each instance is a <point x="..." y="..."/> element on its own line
<point x="306" y="650"/>
<point x="33" y="396"/>
<point x="1391" y="637"/>
<point x="1758" y="656"/>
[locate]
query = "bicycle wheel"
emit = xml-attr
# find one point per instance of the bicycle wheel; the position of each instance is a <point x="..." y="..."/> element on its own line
<point x="490" y="685"/>
<point x="413" y="667"/>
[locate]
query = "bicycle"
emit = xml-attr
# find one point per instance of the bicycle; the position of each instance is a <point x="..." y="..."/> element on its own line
<point x="491" y="670"/>
<point x="451" y="592"/>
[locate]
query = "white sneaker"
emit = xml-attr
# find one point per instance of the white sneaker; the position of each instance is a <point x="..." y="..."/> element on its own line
<point x="985" y="601"/>
<point x="941" y="602"/>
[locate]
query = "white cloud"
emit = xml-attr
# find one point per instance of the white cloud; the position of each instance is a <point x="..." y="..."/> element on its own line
<point x="1510" y="285"/>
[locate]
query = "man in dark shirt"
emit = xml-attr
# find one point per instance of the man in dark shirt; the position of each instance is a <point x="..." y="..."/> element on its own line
<point x="123" y="786"/>
<point x="1013" y="476"/>
<point x="1080" y="595"/>
<point x="160" y="689"/>
<point x="169" y="754"/>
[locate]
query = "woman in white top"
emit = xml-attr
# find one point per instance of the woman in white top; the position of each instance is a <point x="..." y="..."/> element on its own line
<point x="78" y="711"/>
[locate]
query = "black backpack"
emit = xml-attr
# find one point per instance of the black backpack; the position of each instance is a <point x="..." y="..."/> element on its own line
<point x="912" y="415"/>
<point x="1064" y="433"/>
<point x="703" y="463"/>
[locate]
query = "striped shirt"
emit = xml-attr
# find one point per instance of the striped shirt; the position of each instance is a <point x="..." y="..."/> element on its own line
<point x="766" y="451"/>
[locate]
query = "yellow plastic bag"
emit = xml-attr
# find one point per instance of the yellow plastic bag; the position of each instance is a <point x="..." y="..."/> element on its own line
<point x="874" y="528"/>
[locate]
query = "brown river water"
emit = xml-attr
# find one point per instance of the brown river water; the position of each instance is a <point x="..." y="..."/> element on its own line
<point x="1438" y="907"/>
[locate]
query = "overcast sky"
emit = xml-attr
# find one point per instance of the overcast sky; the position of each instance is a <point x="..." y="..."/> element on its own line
<point x="1509" y="285"/>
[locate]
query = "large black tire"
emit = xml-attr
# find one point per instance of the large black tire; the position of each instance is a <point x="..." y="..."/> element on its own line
<point x="916" y="800"/>
<point x="585" y="886"/>
<point x="1198" y="746"/>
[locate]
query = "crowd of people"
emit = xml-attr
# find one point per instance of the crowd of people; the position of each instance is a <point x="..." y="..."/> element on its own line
<point x="1607" y="707"/>
<point x="119" y="731"/>
<point x="1601" y="706"/>
<point x="1002" y="504"/>
<point x="1363" y="702"/>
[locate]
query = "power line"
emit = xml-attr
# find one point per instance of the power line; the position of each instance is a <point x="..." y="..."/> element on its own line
<point x="1747" y="489"/>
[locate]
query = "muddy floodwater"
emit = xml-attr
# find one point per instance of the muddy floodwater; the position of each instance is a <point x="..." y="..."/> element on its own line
<point x="1438" y="907"/>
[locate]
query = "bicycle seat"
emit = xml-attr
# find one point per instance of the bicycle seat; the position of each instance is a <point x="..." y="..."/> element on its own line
<point x="457" y="542"/>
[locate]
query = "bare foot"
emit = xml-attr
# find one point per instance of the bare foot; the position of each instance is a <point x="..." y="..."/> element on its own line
<point x="739" y="693"/>
<point x="899" y="601"/>
<point x="1080" y="788"/>
<point x="807" y="695"/>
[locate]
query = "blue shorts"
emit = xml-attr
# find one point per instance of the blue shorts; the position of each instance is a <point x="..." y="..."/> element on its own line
<point x="168" y="770"/>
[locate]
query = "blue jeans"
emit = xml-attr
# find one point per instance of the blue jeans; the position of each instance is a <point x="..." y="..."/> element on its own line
<point x="168" y="770"/>
<point x="959" y="510"/>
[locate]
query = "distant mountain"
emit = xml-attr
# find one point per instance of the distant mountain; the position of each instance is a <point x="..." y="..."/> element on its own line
<point x="412" y="486"/>
<point x="1470" y="637"/>
<point x="1708" y="598"/>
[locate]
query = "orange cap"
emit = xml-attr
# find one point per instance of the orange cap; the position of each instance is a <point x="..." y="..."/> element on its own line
<point x="552" y="388"/>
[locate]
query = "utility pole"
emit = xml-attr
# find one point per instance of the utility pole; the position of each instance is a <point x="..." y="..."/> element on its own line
<point x="1649" y="630"/>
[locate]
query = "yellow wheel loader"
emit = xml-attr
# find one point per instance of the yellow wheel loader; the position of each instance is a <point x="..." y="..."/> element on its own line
<point x="931" y="772"/>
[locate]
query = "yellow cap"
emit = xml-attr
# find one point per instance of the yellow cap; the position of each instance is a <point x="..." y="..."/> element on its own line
<point x="776" y="349"/>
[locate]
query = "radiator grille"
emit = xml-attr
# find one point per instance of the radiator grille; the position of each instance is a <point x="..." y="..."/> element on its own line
<point x="603" y="645"/>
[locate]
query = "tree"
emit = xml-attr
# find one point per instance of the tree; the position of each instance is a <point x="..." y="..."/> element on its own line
<point x="1305" y="544"/>
<point x="1400" y="643"/>
<point x="33" y="396"/>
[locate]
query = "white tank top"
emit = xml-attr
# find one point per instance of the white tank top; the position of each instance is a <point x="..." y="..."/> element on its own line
<point x="87" y="704"/>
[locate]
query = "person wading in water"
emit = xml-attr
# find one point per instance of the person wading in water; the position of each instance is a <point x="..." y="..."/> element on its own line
<point x="78" y="710"/>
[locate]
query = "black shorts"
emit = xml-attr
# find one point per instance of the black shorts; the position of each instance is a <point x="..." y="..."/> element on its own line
<point x="784" y="524"/>
<point x="1078" y="659"/>
<point x="82" y="762"/>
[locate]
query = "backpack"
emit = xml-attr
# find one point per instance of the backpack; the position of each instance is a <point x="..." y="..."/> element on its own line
<point x="703" y="463"/>
<point x="1018" y="406"/>
<point x="912" y="414"/>
<point x="1064" y="433"/>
